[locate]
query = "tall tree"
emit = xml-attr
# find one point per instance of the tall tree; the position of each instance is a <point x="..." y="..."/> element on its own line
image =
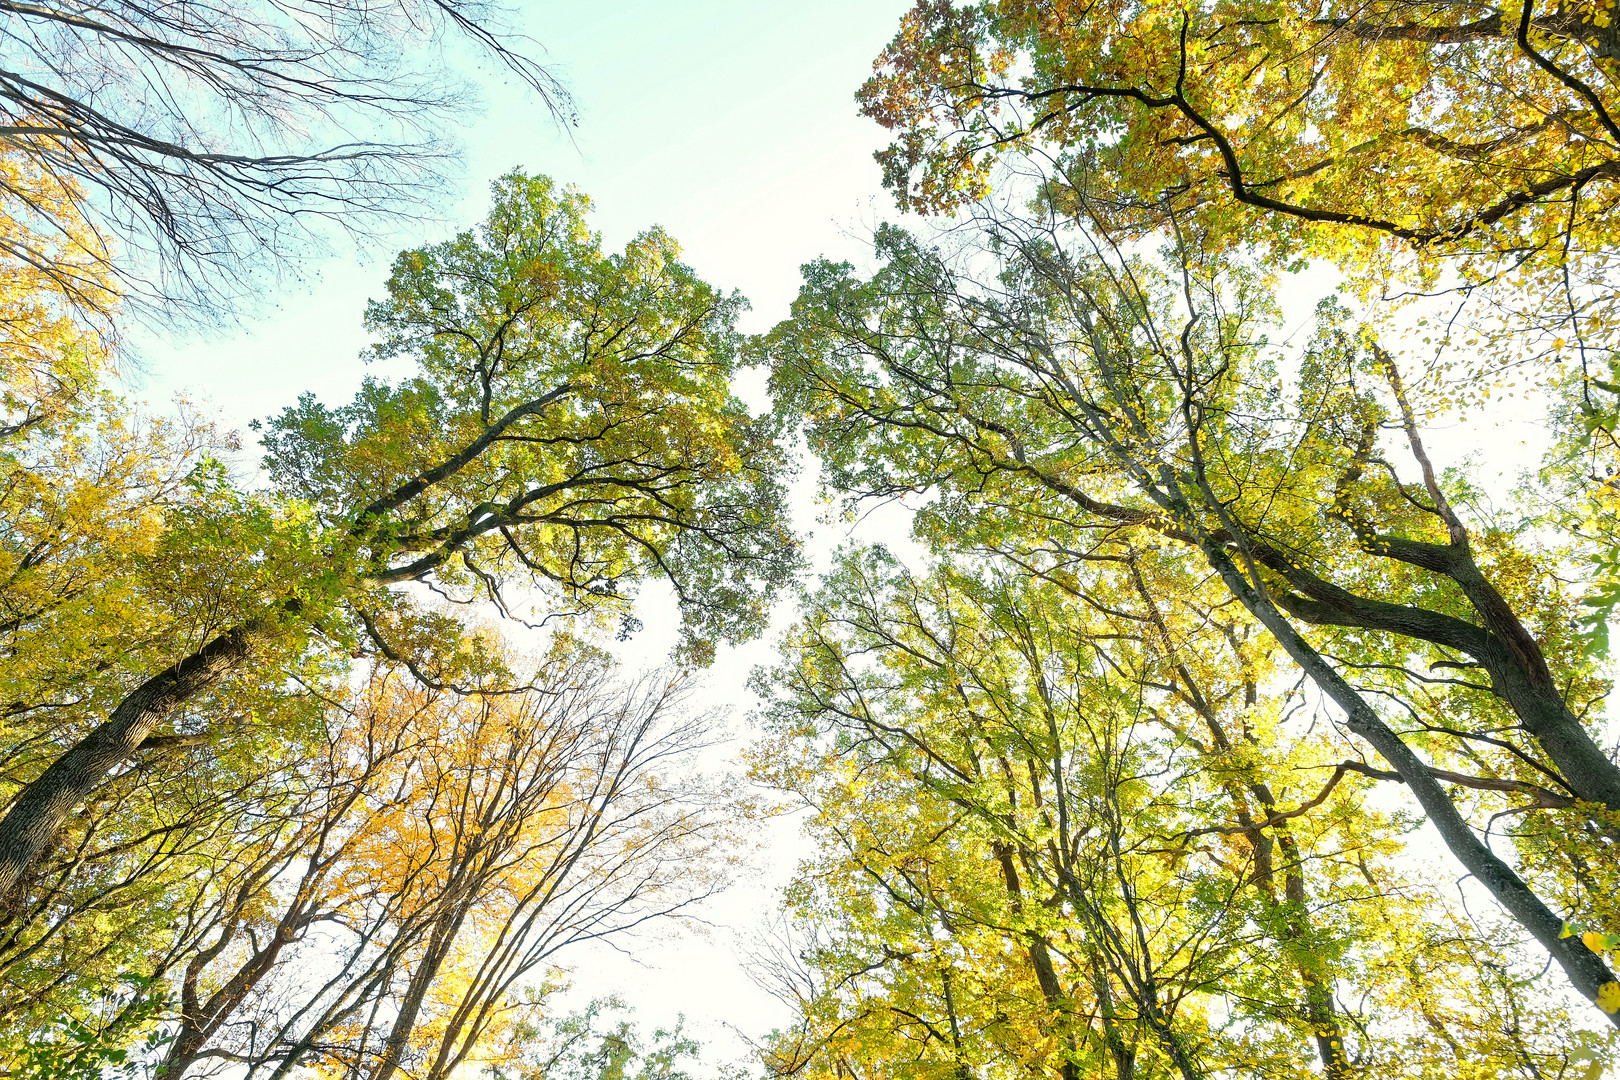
<point x="452" y="845"/>
<point x="1065" y="396"/>
<point x="1466" y="151"/>
<point x="1061" y="830"/>
<point x="569" y="427"/>
<point x="380" y="884"/>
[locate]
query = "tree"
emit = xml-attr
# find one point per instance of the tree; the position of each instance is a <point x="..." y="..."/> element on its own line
<point x="947" y="743"/>
<point x="1058" y="400"/>
<point x="453" y="844"/>
<point x="375" y="888"/>
<point x="1051" y="840"/>
<point x="569" y="428"/>
<point x="1450" y="127"/>
<point x="55" y="308"/>
<point x="578" y="1046"/>
<point x="203" y="139"/>
<point x="1423" y="148"/>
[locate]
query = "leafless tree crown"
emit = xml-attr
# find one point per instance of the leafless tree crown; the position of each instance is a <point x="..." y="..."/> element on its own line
<point x="208" y="139"/>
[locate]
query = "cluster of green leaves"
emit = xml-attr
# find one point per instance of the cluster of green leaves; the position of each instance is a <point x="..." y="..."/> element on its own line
<point x="1411" y="138"/>
<point x="599" y="1042"/>
<point x="1461" y="151"/>
<point x="1058" y="832"/>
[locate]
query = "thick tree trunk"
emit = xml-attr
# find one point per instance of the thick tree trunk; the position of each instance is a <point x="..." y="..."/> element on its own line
<point x="1504" y="647"/>
<point x="1528" y="687"/>
<point x="44" y="806"/>
<point x="1586" y="971"/>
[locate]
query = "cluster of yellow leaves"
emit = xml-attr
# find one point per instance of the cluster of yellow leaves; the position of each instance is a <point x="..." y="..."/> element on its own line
<point x="56" y="296"/>
<point x="1360" y="122"/>
<point x="1055" y="423"/>
<point x="941" y="729"/>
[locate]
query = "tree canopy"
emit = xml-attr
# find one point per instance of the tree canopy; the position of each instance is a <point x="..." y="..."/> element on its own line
<point x="241" y="718"/>
<point x="1453" y="129"/>
<point x="1214" y="721"/>
<point x="1062" y="414"/>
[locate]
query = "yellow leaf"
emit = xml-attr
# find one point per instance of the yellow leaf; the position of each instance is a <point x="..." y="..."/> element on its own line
<point x="1608" y="998"/>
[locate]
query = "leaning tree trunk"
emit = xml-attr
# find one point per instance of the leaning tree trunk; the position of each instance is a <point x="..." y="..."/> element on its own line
<point x="44" y="806"/>
<point x="1586" y="970"/>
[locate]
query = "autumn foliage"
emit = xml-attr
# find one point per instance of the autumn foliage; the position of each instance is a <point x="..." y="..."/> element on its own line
<point x="243" y="743"/>
<point x="1212" y="722"/>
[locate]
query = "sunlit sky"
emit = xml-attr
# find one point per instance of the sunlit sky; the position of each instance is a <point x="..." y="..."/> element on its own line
<point x="732" y="124"/>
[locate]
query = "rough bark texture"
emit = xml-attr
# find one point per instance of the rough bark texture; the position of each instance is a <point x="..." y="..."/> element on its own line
<point x="44" y="806"/>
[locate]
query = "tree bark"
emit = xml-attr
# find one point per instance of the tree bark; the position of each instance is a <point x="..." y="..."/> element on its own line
<point x="1586" y="971"/>
<point x="1504" y="647"/>
<point x="44" y="805"/>
<point x="1319" y="1011"/>
<point x="446" y="928"/>
<point x="1040" y="959"/>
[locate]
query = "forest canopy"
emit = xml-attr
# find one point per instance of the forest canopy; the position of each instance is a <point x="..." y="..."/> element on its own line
<point x="1237" y="704"/>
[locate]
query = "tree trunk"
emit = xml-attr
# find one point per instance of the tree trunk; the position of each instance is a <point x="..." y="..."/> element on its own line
<point x="1319" y="1011"/>
<point x="1586" y="971"/>
<point x="1507" y="650"/>
<point x="1040" y="958"/>
<point x="44" y="806"/>
<point x="445" y="930"/>
<point x="1123" y="1053"/>
<point x="1294" y="912"/>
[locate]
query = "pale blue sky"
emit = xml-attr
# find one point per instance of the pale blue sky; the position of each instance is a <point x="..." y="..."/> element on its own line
<point x="730" y="123"/>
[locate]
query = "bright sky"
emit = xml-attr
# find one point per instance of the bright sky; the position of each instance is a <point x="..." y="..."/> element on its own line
<point x="732" y="124"/>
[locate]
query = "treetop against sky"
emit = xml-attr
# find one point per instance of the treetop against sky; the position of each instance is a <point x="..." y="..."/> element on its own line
<point x="479" y="487"/>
